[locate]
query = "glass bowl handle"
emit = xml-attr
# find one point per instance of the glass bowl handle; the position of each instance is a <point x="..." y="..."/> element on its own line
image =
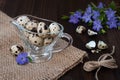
<point x="70" y="41"/>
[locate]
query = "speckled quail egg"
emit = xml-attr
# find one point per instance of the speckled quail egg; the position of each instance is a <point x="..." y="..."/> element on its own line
<point x="80" y="29"/>
<point x="27" y="34"/>
<point x="22" y="20"/>
<point x="42" y="30"/>
<point x="16" y="49"/>
<point x="35" y="40"/>
<point x="31" y="25"/>
<point x="54" y="29"/>
<point x="102" y="45"/>
<point x="48" y="41"/>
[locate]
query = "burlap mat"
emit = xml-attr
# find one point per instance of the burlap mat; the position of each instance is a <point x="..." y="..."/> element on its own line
<point x="51" y="70"/>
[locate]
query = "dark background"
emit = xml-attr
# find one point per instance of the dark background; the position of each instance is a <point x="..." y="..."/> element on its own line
<point x="54" y="9"/>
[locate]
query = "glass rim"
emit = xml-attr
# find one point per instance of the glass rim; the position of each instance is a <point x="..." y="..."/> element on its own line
<point x="22" y="28"/>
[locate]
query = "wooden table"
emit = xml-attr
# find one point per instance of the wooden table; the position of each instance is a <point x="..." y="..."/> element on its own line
<point x="54" y="9"/>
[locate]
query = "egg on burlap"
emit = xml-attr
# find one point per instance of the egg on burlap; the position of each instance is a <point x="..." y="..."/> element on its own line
<point x="16" y="49"/>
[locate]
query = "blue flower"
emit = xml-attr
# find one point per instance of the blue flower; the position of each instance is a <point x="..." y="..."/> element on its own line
<point x="99" y="17"/>
<point x="73" y="19"/>
<point x="112" y="23"/>
<point x="88" y="10"/>
<point x="97" y="25"/>
<point x="96" y="14"/>
<point x="100" y="5"/>
<point x="110" y="13"/>
<point x="78" y="14"/>
<point x="87" y="17"/>
<point x="22" y="58"/>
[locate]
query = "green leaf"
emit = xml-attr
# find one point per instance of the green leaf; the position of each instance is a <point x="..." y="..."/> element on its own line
<point x="106" y="27"/>
<point x="30" y="59"/>
<point x="93" y="5"/>
<point x="79" y="10"/>
<point x="119" y="17"/>
<point x="102" y="31"/>
<point x="102" y="10"/>
<point x="112" y="5"/>
<point x="118" y="27"/>
<point x="90" y="23"/>
<point x="102" y="16"/>
<point x="64" y="17"/>
<point x="71" y="13"/>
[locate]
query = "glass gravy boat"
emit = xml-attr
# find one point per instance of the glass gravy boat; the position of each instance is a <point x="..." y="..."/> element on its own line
<point x="45" y="52"/>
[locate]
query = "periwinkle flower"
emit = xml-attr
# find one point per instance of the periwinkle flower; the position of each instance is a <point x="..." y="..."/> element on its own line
<point x="22" y="58"/>
<point x="100" y="5"/>
<point x="96" y="14"/>
<point x="97" y="17"/>
<point x="75" y="18"/>
<point x="112" y="23"/>
<point x="97" y="25"/>
<point x="88" y="10"/>
<point x="78" y="14"/>
<point x="87" y="14"/>
<point x="87" y="17"/>
<point x="110" y="13"/>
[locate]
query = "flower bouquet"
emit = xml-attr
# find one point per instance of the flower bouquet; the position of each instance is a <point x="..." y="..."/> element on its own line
<point x="100" y="18"/>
